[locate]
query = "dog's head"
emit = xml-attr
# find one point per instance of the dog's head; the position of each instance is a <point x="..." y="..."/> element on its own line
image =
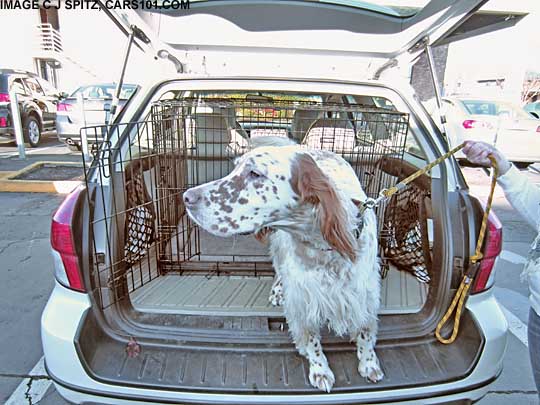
<point x="280" y="187"/>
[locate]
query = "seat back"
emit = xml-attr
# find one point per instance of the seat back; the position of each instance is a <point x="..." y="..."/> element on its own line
<point x="301" y="122"/>
<point x="211" y="156"/>
<point x="336" y="135"/>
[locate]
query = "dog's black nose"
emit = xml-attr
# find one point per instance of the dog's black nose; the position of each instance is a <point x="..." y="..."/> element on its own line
<point x="191" y="197"/>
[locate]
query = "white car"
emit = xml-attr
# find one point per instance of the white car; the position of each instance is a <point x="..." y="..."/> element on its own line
<point x="503" y="124"/>
<point x="148" y="308"/>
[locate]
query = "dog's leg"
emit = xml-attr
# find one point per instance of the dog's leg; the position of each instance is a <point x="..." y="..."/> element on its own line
<point x="276" y="294"/>
<point x="320" y="374"/>
<point x="368" y="366"/>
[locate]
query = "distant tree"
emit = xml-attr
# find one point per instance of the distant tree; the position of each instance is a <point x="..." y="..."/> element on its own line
<point x="531" y="87"/>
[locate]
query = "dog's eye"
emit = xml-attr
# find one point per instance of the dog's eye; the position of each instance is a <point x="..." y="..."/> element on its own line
<point x="254" y="175"/>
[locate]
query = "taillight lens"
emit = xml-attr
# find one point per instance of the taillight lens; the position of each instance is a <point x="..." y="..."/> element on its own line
<point x="3" y="122"/>
<point x="492" y="249"/>
<point x="538" y="129"/>
<point x="64" y="107"/>
<point x="67" y="268"/>
<point x="474" y="124"/>
<point x="4" y="97"/>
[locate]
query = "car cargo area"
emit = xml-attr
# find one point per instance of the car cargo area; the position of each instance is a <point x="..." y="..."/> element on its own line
<point x="165" y="263"/>
<point x="198" y="305"/>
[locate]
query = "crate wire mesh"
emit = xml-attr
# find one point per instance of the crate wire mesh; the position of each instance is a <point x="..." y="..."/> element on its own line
<point x="188" y="142"/>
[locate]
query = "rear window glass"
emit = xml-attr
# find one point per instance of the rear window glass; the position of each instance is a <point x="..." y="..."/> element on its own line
<point x="104" y="91"/>
<point x="495" y="108"/>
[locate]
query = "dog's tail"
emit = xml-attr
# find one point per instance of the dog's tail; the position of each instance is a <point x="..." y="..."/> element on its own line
<point x="270" y="141"/>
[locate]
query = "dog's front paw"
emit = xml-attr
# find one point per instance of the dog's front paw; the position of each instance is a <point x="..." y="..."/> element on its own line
<point x="276" y="294"/>
<point x="321" y="377"/>
<point x="371" y="369"/>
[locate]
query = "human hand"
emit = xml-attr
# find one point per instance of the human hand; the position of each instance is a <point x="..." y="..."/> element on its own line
<point x="477" y="153"/>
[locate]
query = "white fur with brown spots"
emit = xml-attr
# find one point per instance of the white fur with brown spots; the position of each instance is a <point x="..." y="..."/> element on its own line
<point x="305" y="202"/>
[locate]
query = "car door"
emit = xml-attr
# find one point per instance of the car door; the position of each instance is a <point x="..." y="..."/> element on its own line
<point x="47" y="103"/>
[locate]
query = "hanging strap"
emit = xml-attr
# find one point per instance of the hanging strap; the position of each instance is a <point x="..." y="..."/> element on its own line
<point x="463" y="290"/>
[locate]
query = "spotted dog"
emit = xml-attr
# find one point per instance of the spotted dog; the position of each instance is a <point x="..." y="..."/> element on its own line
<point x="305" y="203"/>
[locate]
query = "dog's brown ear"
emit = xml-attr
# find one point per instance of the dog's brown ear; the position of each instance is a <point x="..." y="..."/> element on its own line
<point x="314" y="187"/>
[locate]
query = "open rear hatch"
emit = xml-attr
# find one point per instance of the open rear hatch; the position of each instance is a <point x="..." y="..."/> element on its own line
<point x="357" y="39"/>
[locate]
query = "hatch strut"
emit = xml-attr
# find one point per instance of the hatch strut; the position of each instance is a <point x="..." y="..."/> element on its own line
<point x="116" y="97"/>
<point x="435" y="80"/>
<point x="135" y="32"/>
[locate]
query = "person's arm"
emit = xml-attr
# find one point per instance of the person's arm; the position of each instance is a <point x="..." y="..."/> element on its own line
<point x="519" y="191"/>
<point x="522" y="194"/>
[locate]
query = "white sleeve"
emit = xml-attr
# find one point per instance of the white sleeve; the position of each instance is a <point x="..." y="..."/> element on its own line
<point x="522" y="194"/>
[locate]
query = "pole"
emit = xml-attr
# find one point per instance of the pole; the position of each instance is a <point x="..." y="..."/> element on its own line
<point x="435" y="80"/>
<point x="84" y="136"/>
<point x="17" y="125"/>
<point x="116" y="98"/>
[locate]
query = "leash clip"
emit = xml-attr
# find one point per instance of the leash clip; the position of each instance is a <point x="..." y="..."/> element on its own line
<point x="371" y="203"/>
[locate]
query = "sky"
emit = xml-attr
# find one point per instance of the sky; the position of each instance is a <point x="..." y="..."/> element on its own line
<point x="507" y="53"/>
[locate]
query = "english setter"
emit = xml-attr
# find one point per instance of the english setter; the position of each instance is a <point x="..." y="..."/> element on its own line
<point x="324" y="251"/>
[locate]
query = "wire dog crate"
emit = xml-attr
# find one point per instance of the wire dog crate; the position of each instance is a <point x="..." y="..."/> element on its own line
<point x="145" y="230"/>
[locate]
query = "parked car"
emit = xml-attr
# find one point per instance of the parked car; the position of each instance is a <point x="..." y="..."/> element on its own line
<point x="503" y="124"/>
<point x="148" y="308"/>
<point x="95" y="111"/>
<point x="533" y="109"/>
<point x="37" y="104"/>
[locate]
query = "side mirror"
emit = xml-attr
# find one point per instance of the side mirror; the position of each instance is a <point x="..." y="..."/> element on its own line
<point x="62" y="95"/>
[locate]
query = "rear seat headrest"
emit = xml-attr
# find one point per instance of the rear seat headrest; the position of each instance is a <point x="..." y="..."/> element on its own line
<point x="211" y="128"/>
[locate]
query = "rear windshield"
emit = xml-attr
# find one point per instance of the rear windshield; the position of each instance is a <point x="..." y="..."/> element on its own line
<point x="481" y="107"/>
<point x="105" y="91"/>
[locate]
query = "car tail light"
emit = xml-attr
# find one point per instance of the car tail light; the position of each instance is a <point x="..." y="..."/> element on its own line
<point x="67" y="267"/>
<point x="538" y="129"/>
<point x="3" y="122"/>
<point x="473" y="124"/>
<point x="492" y="248"/>
<point x="4" y="97"/>
<point x="64" y="107"/>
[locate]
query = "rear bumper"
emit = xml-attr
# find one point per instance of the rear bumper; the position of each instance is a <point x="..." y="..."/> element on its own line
<point x="68" y="130"/>
<point x="6" y="131"/>
<point x="66" y="309"/>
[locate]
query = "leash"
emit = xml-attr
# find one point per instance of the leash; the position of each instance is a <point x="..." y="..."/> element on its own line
<point x="465" y="285"/>
<point x="463" y="290"/>
<point x="386" y="193"/>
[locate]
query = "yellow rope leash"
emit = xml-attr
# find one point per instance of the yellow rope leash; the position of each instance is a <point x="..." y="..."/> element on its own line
<point x="463" y="290"/>
<point x="403" y="183"/>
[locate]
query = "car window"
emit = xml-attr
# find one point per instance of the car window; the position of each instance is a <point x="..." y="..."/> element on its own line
<point x="495" y="108"/>
<point x="104" y="91"/>
<point x="48" y="88"/>
<point x="34" y="87"/>
<point x="18" y="87"/>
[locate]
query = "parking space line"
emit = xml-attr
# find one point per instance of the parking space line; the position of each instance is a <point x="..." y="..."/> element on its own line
<point x="31" y="390"/>
<point x="512" y="257"/>
<point x="516" y="327"/>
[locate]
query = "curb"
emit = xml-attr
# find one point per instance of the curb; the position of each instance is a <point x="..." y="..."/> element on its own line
<point x="8" y="182"/>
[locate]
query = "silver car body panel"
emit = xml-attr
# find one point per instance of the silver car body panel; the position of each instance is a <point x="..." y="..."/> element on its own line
<point x="65" y="311"/>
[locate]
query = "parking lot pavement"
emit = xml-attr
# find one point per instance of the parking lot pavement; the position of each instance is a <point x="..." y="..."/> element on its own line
<point x="49" y="149"/>
<point x="515" y="385"/>
<point x="26" y="280"/>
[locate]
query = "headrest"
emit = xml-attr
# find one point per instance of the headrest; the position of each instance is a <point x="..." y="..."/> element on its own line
<point x="211" y="128"/>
